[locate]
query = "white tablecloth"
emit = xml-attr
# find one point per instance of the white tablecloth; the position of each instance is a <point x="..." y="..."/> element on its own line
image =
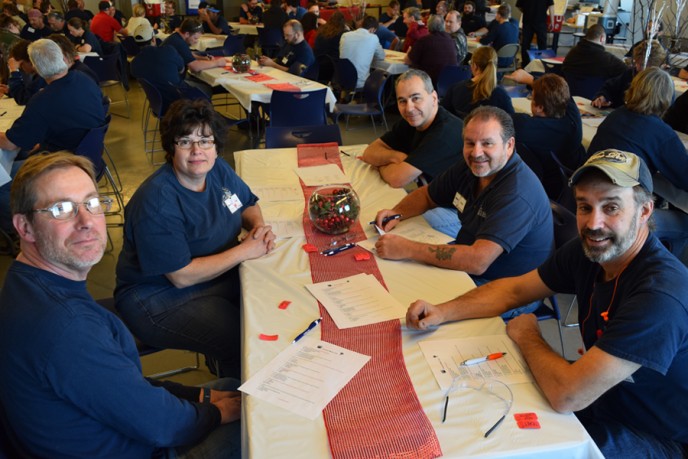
<point x="207" y="40"/>
<point x="9" y="111"/>
<point x="247" y="91"/>
<point x="393" y="63"/>
<point x="245" y="29"/>
<point x="271" y="432"/>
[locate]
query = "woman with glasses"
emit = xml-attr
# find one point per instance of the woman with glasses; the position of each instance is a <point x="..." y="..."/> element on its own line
<point x="481" y="89"/>
<point x="177" y="282"/>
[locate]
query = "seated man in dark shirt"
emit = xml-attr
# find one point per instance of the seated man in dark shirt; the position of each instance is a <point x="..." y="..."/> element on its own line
<point x="589" y="58"/>
<point x="213" y="21"/>
<point x="506" y="221"/>
<point x="424" y="143"/>
<point x="629" y="387"/>
<point x="503" y="31"/>
<point x="36" y="27"/>
<point x="470" y="21"/>
<point x="72" y="386"/>
<point x="294" y="51"/>
<point x="189" y="33"/>
<point x="250" y="13"/>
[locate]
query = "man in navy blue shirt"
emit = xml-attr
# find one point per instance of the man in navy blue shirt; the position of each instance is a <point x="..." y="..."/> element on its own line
<point x="72" y="386"/>
<point x="213" y="21"/>
<point x="502" y="31"/>
<point x="506" y="221"/>
<point x="295" y="49"/>
<point x="182" y="40"/>
<point x="629" y="388"/>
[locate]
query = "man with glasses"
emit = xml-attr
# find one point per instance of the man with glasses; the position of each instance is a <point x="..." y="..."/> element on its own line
<point x="57" y="23"/>
<point x="294" y="51"/>
<point x="104" y="25"/>
<point x="72" y="385"/>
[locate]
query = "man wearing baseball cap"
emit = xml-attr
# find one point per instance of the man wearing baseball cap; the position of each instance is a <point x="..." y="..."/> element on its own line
<point x="629" y="389"/>
<point x="213" y="21"/>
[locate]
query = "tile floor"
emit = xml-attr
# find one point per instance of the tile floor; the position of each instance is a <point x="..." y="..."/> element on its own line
<point x="125" y="143"/>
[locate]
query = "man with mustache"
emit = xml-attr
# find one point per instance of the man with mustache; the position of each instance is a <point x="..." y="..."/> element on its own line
<point x="506" y="220"/>
<point x="629" y="388"/>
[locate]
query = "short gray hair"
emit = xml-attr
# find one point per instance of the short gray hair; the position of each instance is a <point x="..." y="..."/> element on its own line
<point x="47" y="58"/>
<point x="424" y="77"/>
<point x="486" y="113"/>
<point x="435" y="23"/>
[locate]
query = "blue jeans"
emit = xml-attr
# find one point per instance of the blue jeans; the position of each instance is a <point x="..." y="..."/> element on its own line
<point x="672" y="230"/>
<point x="617" y="440"/>
<point x="201" y="318"/>
<point x="222" y="443"/>
<point x="443" y="219"/>
<point x="525" y="309"/>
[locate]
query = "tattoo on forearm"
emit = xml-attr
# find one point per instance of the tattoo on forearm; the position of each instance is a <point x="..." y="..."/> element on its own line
<point x="443" y="253"/>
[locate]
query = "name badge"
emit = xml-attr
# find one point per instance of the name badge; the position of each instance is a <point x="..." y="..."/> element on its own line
<point x="233" y="203"/>
<point x="459" y="202"/>
<point x="30" y="29"/>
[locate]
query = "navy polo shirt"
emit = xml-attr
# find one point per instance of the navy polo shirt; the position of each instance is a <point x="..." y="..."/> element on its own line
<point x="177" y="42"/>
<point x="512" y="211"/>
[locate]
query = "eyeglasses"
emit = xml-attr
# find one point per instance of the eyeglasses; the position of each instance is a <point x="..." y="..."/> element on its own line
<point x="491" y="386"/>
<point x="187" y="144"/>
<point x="64" y="210"/>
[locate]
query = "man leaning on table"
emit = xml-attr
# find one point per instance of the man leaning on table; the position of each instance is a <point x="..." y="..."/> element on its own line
<point x="506" y="221"/>
<point x="182" y="40"/>
<point x="294" y="51"/>
<point x="630" y="387"/>
<point x="424" y="143"/>
<point x="72" y="384"/>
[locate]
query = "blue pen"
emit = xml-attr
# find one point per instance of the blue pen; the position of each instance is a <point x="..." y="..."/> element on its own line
<point x="388" y="219"/>
<point x="310" y="327"/>
<point x="336" y="250"/>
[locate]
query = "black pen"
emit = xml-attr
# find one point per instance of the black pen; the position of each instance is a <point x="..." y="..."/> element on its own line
<point x="388" y="219"/>
<point x="309" y="328"/>
<point x="344" y="153"/>
<point x="3" y="113"/>
<point x="336" y="250"/>
<point x="446" y="403"/>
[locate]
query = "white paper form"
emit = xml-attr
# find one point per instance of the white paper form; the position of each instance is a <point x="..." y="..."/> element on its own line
<point x="445" y="357"/>
<point x="305" y="376"/>
<point x="357" y="300"/>
<point x="327" y="174"/>
<point x="278" y="193"/>
<point x="284" y="229"/>
<point x="413" y="231"/>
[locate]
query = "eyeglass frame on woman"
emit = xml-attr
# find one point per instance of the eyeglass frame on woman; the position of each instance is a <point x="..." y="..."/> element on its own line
<point x="57" y="212"/>
<point x="199" y="142"/>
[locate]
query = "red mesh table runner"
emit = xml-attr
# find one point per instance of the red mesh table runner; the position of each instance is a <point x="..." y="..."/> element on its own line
<point x="378" y="413"/>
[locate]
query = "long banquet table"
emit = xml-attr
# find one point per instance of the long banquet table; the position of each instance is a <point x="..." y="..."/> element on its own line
<point x="247" y="91"/>
<point x="269" y="431"/>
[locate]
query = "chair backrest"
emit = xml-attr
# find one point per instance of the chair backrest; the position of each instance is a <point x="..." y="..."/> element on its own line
<point x="584" y="86"/>
<point x="270" y="40"/>
<point x="91" y="147"/>
<point x="234" y="44"/>
<point x="325" y="68"/>
<point x="298" y="108"/>
<point x="509" y="51"/>
<point x="534" y="54"/>
<point x="374" y="87"/>
<point x="105" y="67"/>
<point x="154" y="97"/>
<point x="345" y="75"/>
<point x="130" y="46"/>
<point x="565" y="226"/>
<point x="285" y="137"/>
<point x="449" y="76"/>
<point x="312" y="72"/>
